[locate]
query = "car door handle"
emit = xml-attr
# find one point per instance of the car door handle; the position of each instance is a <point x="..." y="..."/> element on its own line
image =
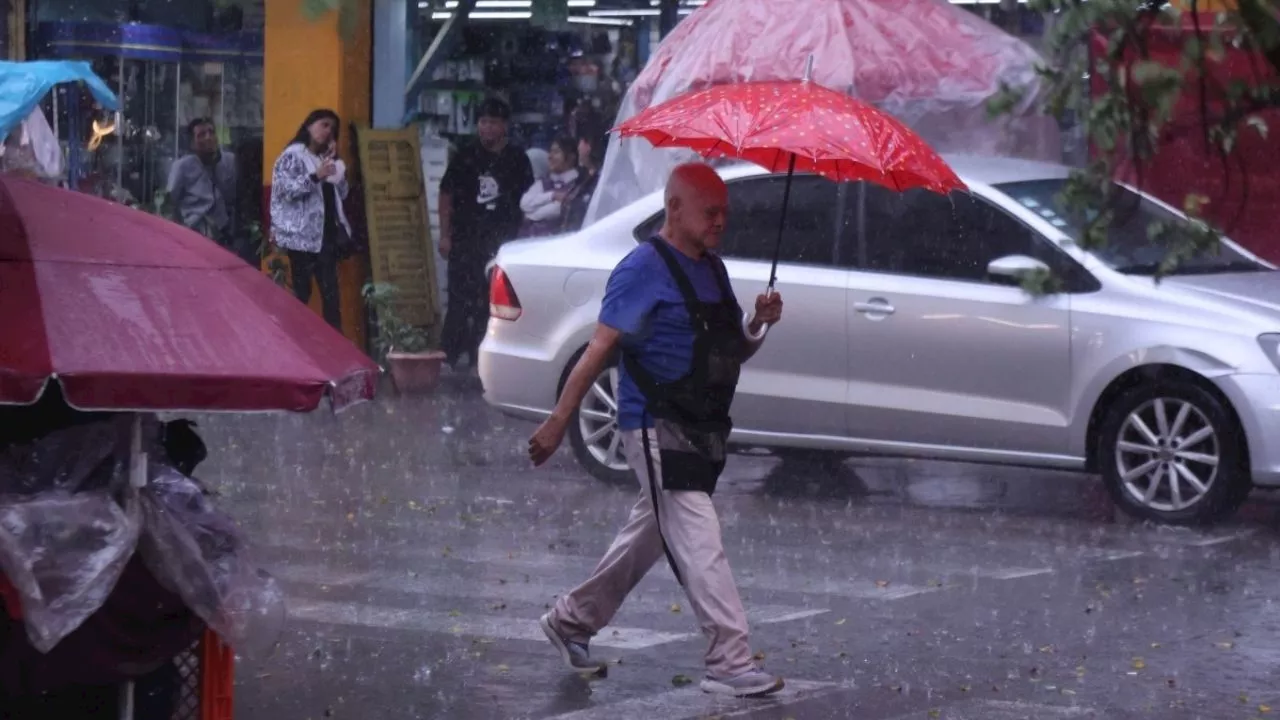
<point x="875" y="306"/>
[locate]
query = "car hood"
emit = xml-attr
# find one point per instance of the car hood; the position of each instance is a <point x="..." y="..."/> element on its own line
<point x="1254" y="290"/>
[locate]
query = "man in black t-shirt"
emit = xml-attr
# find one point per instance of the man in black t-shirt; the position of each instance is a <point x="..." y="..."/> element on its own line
<point x="479" y="210"/>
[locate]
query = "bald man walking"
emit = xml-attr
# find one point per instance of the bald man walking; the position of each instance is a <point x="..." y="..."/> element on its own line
<point x="669" y="308"/>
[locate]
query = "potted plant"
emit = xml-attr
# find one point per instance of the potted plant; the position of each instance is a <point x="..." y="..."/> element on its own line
<point x="402" y="348"/>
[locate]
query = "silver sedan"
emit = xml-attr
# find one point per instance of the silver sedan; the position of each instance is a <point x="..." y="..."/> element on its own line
<point x="909" y="333"/>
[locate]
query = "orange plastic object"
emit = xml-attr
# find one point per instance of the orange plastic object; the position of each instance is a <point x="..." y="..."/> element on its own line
<point x="217" y="678"/>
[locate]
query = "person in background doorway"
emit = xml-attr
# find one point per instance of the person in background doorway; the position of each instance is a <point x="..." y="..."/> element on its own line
<point x="308" y="185"/>
<point x="591" y="147"/>
<point x="479" y="210"/>
<point x="201" y="192"/>
<point x="542" y="203"/>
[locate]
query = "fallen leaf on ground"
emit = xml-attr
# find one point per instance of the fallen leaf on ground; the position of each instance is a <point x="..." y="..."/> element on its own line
<point x="1139" y="663"/>
<point x="841" y="621"/>
<point x="882" y="583"/>
<point x="759" y="655"/>
<point x="675" y="607"/>
<point x="681" y="680"/>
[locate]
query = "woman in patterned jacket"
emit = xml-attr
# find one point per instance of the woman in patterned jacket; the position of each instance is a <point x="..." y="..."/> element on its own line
<point x="308" y="185"/>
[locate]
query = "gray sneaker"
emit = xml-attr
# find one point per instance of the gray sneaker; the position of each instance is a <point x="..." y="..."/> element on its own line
<point x="750" y="684"/>
<point x="576" y="655"/>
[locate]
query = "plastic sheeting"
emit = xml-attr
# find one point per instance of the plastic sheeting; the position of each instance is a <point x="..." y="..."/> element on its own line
<point x="70" y="521"/>
<point x="927" y="62"/>
<point x="24" y="84"/>
<point x="198" y="553"/>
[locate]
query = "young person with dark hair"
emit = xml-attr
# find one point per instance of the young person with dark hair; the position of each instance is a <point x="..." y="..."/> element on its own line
<point x="308" y="185"/>
<point x="479" y="211"/>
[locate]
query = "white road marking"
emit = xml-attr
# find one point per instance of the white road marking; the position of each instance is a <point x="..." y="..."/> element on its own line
<point x="656" y="600"/>
<point x="1004" y="710"/>
<point x="690" y="702"/>
<point x="1105" y="555"/>
<point x="505" y="628"/>
<point x="1013" y="573"/>
<point x="1221" y="539"/>
<point x="506" y="564"/>
<point x="360" y="615"/>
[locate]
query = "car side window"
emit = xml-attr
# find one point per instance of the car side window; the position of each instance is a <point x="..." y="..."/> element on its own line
<point x="951" y="237"/>
<point x="751" y="233"/>
<point x="813" y="217"/>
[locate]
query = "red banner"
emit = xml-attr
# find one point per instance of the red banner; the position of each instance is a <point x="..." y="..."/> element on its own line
<point x="1244" y="189"/>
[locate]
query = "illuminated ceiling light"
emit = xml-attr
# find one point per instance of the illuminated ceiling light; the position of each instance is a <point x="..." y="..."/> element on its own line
<point x="623" y="13"/>
<point x="582" y="20"/>
<point x="483" y="15"/>
<point x="484" y="4"/>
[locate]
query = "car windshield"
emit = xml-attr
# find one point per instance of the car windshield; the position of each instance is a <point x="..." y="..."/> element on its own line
<point x="1128" y="248"/>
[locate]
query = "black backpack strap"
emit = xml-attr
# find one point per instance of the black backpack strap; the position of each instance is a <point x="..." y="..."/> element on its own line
<point x="722" y="279"/>
<point x="691" y="303"/>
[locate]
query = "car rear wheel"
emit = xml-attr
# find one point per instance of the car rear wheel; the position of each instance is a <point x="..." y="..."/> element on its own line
<point x="1171" y="452"/>
<point x="594" y="433"/>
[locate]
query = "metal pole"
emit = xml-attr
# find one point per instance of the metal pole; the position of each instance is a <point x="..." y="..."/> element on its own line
<point x="126" y="701"/>
<point x="120" y="130"/>
<point x="782" y="222"/>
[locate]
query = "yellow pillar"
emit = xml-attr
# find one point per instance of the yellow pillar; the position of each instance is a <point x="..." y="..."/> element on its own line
<point x="310" y="64"/>
<point x="1206" y="6"/>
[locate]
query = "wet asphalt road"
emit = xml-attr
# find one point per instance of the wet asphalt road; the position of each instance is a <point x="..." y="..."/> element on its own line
<point x="418" y="549"/>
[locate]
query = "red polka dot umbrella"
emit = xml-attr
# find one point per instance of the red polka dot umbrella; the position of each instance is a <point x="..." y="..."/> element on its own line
<point x="796" y="127"/>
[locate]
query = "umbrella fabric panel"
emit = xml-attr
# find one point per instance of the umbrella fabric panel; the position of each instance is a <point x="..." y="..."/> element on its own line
<point x="52" y="224"/>
<point x="769" y="123"/>
<point x="130" y="311"/>
<point x="24" y="350"/>
<point x="170" y="338"/>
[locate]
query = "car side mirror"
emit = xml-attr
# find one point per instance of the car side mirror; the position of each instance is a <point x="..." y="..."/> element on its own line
<point x="1016" y="268"/>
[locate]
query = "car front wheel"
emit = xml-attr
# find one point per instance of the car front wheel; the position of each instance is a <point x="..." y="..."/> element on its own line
<point x="594" y="433"/>
<point x="1172" y="453"/>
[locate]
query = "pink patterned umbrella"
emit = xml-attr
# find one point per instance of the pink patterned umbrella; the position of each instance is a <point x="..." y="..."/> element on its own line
<point x="796" y="127"/>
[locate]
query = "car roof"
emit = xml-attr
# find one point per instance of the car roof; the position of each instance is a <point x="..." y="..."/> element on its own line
<point x="970" y="168"/>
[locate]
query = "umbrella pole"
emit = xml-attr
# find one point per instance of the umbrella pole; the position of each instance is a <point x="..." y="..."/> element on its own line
<point x="782" y="225"/>
<point x="126" y="701"/>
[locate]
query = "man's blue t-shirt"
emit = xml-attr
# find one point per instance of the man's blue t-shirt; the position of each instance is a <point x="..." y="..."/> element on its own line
<point x="643" y="302"/>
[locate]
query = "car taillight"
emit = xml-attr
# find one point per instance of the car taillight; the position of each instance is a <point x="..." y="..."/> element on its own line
<point x="503" y="303"/>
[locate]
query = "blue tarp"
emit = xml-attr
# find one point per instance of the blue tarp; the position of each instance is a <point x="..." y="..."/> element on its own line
<point x="24" y="84"/>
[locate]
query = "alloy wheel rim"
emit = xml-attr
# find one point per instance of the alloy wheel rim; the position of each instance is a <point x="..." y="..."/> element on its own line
<point x="1167" y="454"/>
<point x="598" y="421"/>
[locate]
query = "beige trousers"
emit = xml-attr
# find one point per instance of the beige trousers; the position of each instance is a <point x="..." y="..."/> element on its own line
<point x="691" y="527"/>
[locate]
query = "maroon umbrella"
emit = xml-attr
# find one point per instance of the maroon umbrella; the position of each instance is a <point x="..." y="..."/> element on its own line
<point x="131" y="312"/>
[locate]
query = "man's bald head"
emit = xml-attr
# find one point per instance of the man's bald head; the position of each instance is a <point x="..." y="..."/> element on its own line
<point x="697" y="202"/>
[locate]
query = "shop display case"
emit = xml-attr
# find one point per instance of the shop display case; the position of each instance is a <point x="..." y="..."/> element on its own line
<point x="165" y="78"/>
